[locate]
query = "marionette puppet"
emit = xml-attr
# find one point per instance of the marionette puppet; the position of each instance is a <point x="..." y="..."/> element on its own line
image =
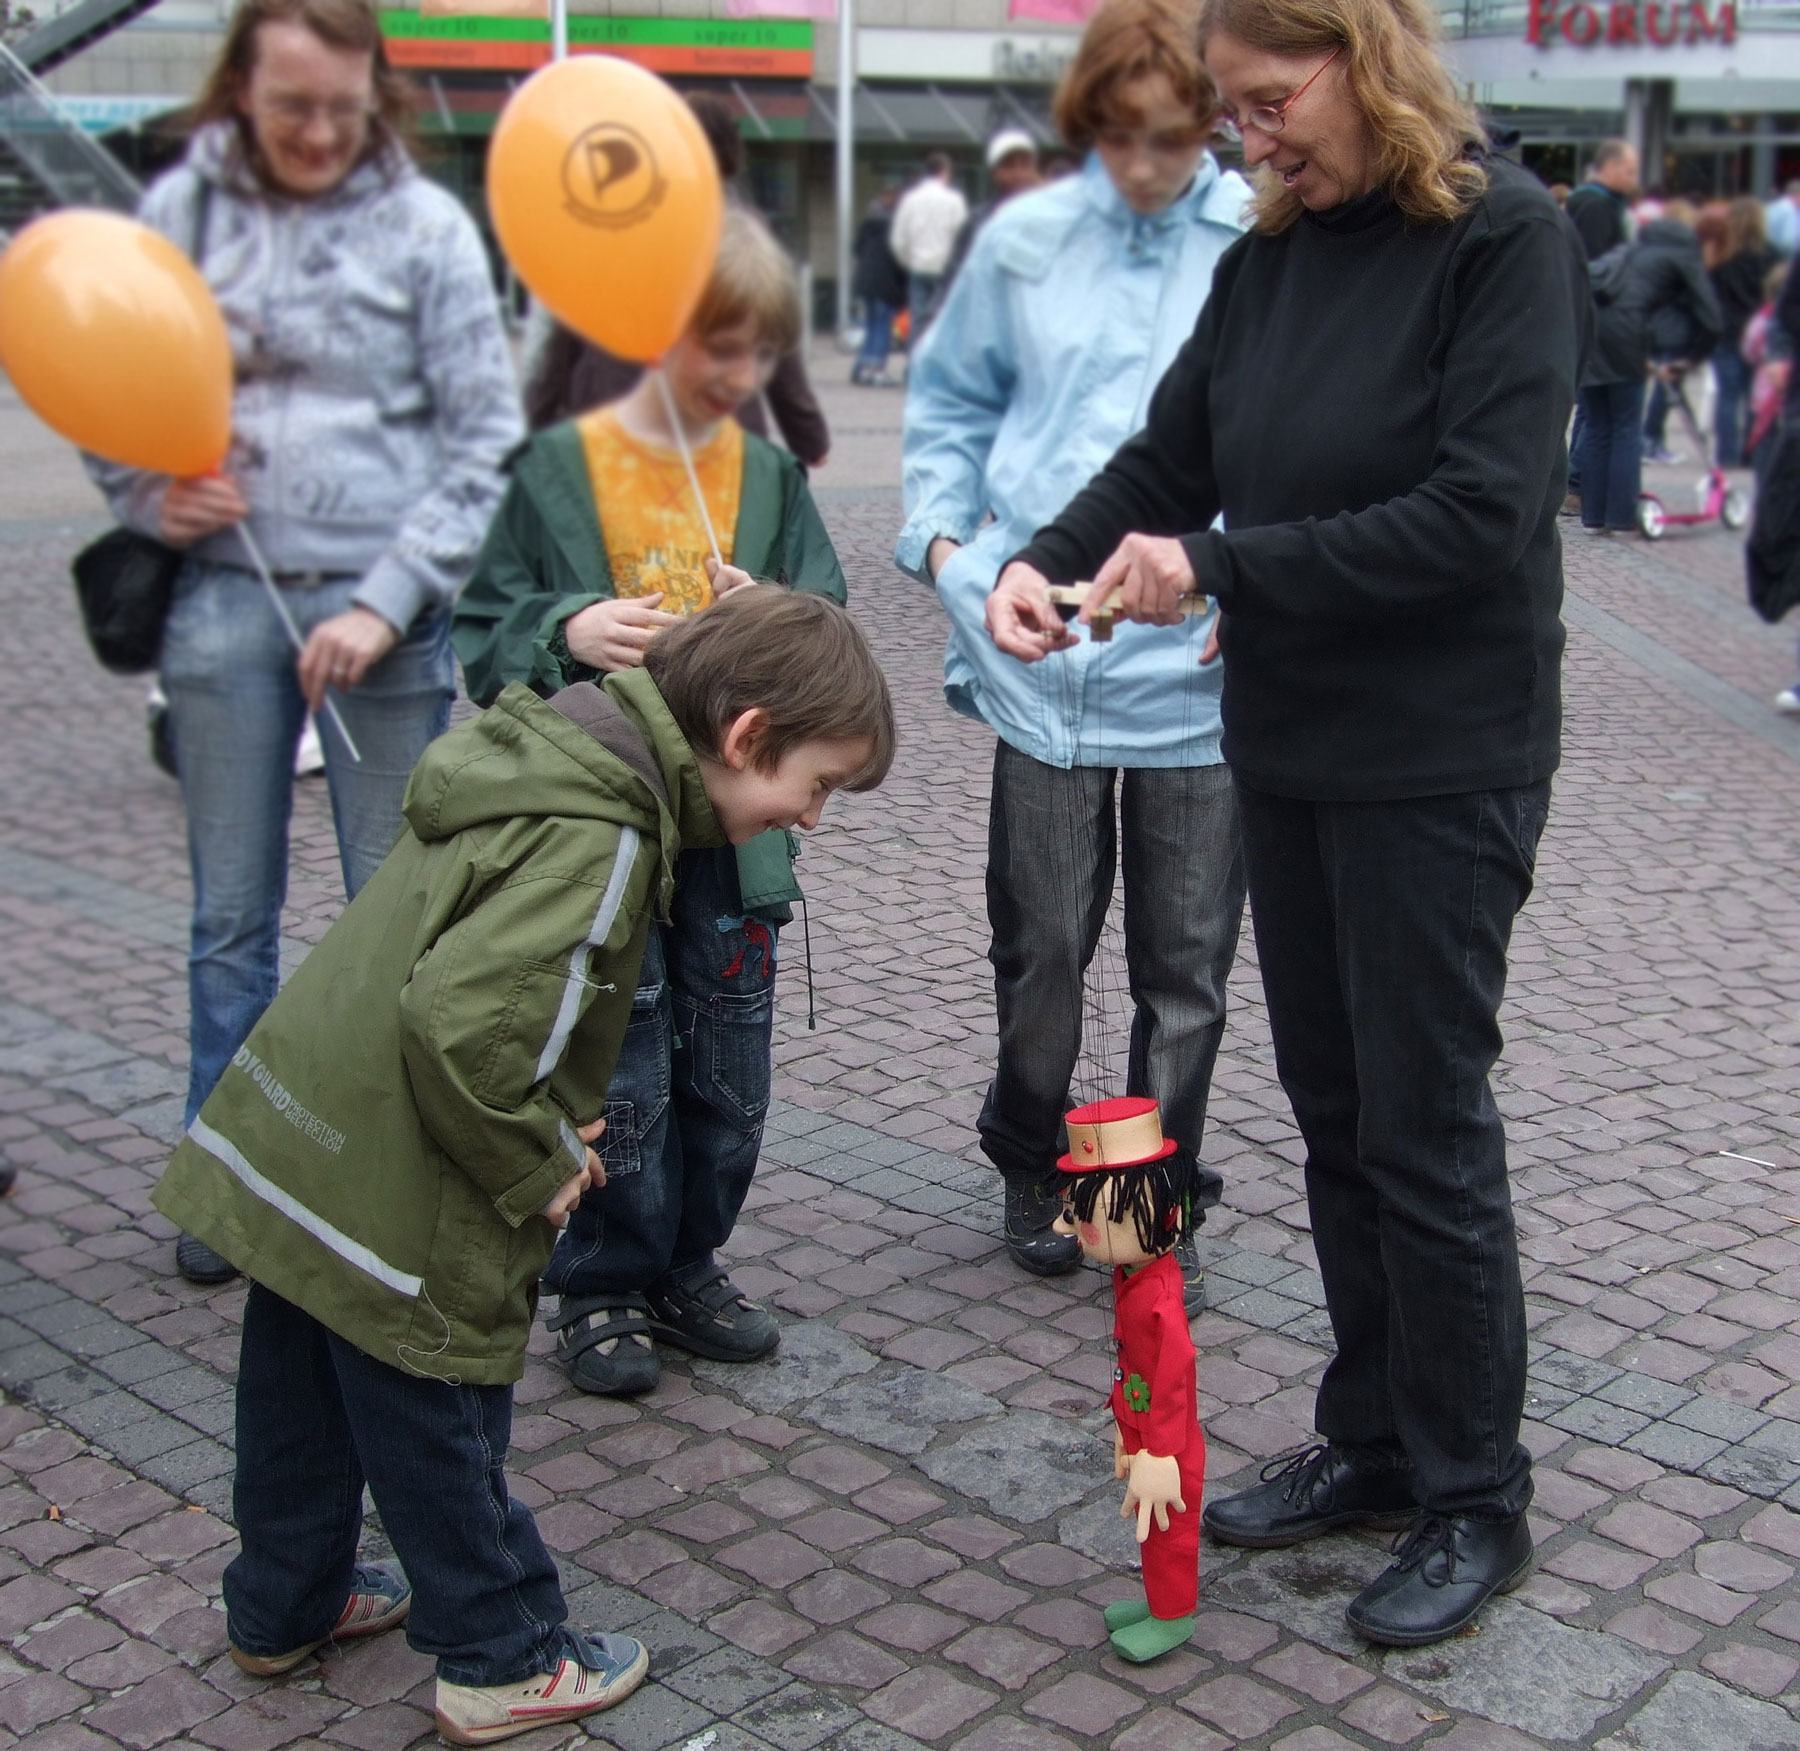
<point x="1129" y="1195"/>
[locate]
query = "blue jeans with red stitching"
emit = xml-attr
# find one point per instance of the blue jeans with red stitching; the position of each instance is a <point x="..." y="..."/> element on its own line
<point x="684" y="1114"/>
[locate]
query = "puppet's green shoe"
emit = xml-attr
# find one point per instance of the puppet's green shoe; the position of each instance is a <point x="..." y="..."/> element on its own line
<point x="1122" y="1613"/>
<point x="1150" y="1637"/>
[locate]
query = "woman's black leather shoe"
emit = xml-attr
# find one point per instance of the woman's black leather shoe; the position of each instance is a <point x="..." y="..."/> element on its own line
<point x="1444" y="1571"/>
<point x="1305" y="1494"/>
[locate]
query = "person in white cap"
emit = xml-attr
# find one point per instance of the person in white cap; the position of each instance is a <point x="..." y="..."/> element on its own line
<point x="1012" y="161"/>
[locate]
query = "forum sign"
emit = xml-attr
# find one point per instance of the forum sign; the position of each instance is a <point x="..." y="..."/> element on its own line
<point x="1649" y="24"/>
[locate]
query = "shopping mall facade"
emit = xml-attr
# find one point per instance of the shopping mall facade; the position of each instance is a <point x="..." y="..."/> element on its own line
<point x="1709" y="88"/>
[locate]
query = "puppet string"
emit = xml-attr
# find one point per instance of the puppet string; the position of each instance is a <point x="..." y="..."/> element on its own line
<point x="687" y="460"/>
<point x="261" y="566"/>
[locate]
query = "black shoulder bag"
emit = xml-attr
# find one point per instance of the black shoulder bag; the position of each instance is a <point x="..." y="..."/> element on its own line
<point x="125" y="581"/>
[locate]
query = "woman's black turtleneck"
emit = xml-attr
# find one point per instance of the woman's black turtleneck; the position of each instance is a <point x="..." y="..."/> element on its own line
<point x="1378" y="409"/>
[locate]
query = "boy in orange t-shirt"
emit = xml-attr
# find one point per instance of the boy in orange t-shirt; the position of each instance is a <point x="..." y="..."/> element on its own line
<point x="599" y="546"/>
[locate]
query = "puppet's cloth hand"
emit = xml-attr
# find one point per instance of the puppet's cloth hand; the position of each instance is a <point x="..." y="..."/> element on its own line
<point x="1153" y="1487"/>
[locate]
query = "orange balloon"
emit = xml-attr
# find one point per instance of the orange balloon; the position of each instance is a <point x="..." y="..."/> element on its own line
<point x="112" y="337"/>
<point x="606" y="199"/>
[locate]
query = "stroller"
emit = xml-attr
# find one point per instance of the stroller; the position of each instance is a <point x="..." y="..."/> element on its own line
<point x="1716" y="499"/>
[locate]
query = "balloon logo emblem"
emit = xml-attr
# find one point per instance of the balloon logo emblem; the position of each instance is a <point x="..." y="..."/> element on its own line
<point x="611" y="178"/>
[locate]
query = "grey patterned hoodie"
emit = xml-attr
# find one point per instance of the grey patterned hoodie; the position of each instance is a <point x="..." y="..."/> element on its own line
<point x="375" y="397"/>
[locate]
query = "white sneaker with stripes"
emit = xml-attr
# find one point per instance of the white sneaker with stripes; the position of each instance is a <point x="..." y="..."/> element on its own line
<point x="380" y="1598"/>
<point x="595" y="1672"/>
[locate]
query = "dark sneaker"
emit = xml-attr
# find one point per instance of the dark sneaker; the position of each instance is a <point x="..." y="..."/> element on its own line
<point x="380" y="1598"/>
<point x="604" y="1344"/>
<point x="197" y="1261"/>
<point x="1444" y="1571"/>
<point x="713" y="1319"/>
<point x="1305" y="1494"/>
<point x="593" y="1672"/>
<point x="1029" y="1212"/>
<point x="1193" y="1275"/>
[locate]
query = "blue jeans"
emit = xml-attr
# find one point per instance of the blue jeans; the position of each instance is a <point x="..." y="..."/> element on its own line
<point x="1731" y="406"/>
<point x="1382" y="930"/>
<point x="1053" y="851"/>
<point x="921" y="298"/>
<point x="878" y="335"/>
<point x="317" y="1418"/>
<point x="684" y="1114"/>
<point x="235" y="715"/>
<point x="1612" y="454"/>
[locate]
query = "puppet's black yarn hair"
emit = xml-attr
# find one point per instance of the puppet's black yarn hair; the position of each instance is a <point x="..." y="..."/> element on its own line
<point x="1159" y="1198"/>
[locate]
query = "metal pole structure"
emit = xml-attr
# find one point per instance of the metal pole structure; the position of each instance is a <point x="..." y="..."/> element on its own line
<point x="559" y="30"/>
<point x="846" y="155"/>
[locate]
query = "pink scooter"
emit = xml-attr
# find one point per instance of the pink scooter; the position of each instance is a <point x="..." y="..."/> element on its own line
<point x="1719" y="501"/>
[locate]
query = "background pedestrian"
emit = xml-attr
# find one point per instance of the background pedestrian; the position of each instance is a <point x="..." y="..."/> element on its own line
<point x="926" y="222"/>
<point x="881" y="285"/>
<point x="1737" y="274"/>
<point x="1012" y="163"/>
<point x="1600" y="207"/>
<point x="1654" y="291"/>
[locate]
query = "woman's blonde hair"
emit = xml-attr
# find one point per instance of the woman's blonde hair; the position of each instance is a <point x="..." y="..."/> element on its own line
<point x="1125" y="42"/>
<point x="753" y="280"/>
<point x="1421" y="126"/>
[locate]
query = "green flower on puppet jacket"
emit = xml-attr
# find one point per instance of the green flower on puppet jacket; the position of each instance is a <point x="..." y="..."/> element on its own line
<point x="1137" y="1393"/>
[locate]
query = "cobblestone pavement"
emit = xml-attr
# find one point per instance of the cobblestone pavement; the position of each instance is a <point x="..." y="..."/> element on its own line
<point x="901" y="1532"/>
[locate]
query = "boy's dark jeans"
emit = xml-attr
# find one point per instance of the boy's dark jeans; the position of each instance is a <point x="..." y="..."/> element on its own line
<point x="684" y="1115"/>
<point x="316" y="1418"/>
<point x="1382" y="930"/>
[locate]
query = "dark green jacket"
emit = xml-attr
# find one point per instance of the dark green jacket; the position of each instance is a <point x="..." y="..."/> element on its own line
<point x="545" y="559"/>
<point x="380" y="1148"/>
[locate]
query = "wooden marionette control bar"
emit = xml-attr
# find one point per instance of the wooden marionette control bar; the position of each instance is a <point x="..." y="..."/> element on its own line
<point x="1066" y="599"/>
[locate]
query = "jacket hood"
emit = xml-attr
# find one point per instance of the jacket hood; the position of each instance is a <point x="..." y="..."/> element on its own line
<point x="1030" y="231"/>
<point x="1668" y="234"/>
<point x="216" y="154"/>
<point x="522" y="758"/>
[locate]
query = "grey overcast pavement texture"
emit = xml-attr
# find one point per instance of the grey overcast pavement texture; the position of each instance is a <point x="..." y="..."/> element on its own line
<point x="900" y="1533"/>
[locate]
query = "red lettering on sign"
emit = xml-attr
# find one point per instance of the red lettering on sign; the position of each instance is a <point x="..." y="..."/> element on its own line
<point x="1660" y="22"/>
<point x="1581" y="24"/>
<point x="1724" y="27"/>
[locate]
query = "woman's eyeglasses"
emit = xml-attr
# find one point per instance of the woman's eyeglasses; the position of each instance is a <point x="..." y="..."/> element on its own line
<point x="1271" y="118"/>
<point x="293" y="114"/>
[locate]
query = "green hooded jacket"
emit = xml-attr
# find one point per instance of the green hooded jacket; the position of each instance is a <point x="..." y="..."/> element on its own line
<point x="380" y="1148"/>
<point x="545" y="559"/>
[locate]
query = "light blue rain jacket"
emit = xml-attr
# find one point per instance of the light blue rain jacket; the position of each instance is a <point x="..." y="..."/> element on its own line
<point x="1039" y="366"/>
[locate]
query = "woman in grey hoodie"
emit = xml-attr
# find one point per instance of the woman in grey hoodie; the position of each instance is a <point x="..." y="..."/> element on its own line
<point x="374" y="402"/>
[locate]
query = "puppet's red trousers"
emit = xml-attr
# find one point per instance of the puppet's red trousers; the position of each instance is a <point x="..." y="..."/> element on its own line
<point x="1171" y="1559"/>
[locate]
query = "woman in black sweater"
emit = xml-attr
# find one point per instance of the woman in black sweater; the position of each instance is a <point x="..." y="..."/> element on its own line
<point x="1375" y="398"/>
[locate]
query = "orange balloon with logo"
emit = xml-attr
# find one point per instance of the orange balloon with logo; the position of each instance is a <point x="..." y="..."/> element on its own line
<point x="111" y="336"/>
<point x="606" y="198"/>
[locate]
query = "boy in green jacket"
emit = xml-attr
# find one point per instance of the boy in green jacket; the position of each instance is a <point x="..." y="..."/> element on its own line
<point x="599" y="545"/>
<point x="390" y="1154"/>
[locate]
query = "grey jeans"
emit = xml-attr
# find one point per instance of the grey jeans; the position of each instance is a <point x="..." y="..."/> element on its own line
<point x="1053" y="851"/>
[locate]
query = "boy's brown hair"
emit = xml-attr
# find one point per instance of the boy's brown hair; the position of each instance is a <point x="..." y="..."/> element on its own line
<point x="799" y="658"/>
<point x="752" y="280"/>
<point x="1125" y="42"/>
